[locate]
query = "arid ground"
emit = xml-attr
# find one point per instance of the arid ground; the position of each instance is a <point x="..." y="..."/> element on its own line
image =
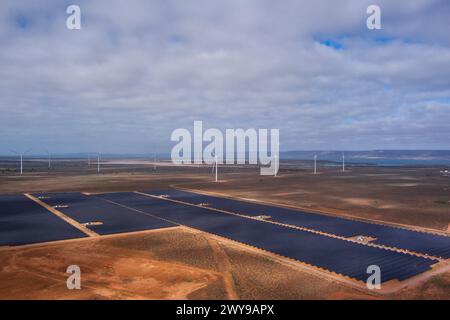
<point x="181" y="263"/>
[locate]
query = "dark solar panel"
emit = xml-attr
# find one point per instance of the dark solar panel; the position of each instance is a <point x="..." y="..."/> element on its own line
<point x="421" y="242"/>
<point x="22" y="221"/>
<point x="114" y="219"/>
<point x="343" y="257"/>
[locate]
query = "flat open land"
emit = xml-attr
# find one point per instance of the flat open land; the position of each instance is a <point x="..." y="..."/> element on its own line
<point x="412" y="196"/>
<point x="166" y="264"/>
<point x="183" y="263"/>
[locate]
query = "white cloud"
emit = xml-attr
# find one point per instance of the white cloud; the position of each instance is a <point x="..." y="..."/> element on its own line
<point x="139" y="69"/>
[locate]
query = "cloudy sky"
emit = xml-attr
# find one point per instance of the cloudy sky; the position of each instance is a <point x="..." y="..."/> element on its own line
<point x="140" y="69"/>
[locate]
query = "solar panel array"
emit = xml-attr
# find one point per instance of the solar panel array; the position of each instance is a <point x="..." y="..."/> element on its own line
<point x="23" y="221"/>
<point x="421" y="242"/>
<point x="339" y="256"/>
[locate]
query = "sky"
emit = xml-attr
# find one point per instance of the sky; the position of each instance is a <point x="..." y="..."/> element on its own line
<point x="137" y="70"/>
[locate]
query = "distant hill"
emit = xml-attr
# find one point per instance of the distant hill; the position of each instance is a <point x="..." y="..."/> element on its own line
<point x="376" y="157"/>
<point x="367" y="157"/>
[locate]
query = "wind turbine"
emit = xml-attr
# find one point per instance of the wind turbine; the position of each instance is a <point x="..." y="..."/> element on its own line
<point x="21" y="154"/>
<point x="49" y="159"/>
<point x="343" y="162"/>
<point x="98" y="163"/>
<point x="214" y="167"/>
<point x="315" y="163"/>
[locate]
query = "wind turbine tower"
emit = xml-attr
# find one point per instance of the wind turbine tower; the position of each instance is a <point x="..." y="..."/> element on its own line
<point x="98" y="163"/>
<point x="315" y="164"/>
<point x="21" y="154"/>
<point x="49" y="159"/>
<point x="343" y="162"/>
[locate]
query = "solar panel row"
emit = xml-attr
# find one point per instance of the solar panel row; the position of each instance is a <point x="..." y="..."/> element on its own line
<point x="22" y="221"/>
<point x="420" y="242"/>
<point x="114" y="219"/>
<point x="342" y="257"/>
